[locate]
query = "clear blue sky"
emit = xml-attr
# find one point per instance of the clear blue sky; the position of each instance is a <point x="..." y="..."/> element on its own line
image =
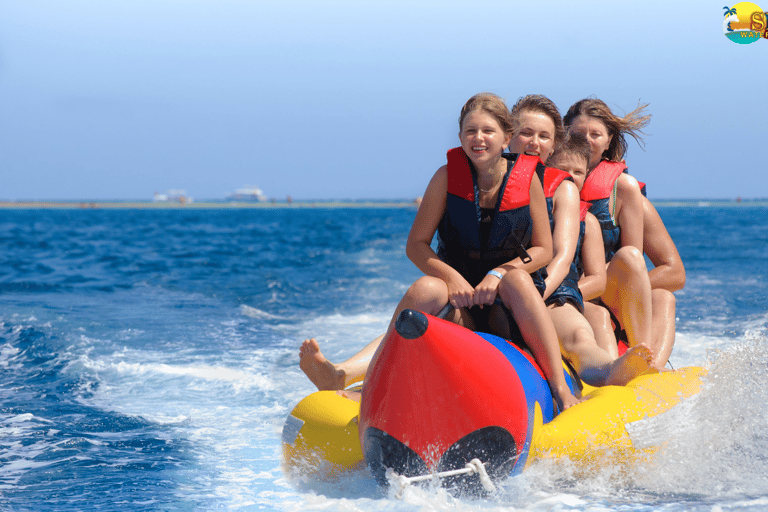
<point x="350" y="99"/>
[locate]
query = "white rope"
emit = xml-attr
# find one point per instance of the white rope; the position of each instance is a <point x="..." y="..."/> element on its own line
<point x="474" y="466"/>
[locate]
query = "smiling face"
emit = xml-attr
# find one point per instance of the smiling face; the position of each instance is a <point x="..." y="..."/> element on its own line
<point x="535" y="135"/>
<point x="572" y="163"/>
<point x="596" y="133"/>
<point x="482" y="138"/>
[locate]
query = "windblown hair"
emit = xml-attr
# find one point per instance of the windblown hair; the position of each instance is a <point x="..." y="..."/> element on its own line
<point x="573" y="144"/>
<point x="542" y="104"/>
<point x="631" y="124"/>
<point x="492" y="105"/>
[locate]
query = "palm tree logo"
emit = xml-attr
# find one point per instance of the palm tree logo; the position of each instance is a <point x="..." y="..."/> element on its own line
<point x="730" y="14"/>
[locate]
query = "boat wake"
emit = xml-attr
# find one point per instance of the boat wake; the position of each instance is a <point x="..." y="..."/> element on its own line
<point x="716" y="445"/>
<point x="712" y="445"/>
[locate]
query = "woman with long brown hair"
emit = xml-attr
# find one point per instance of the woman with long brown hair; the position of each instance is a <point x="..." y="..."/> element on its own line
<point x="622" y="210"/>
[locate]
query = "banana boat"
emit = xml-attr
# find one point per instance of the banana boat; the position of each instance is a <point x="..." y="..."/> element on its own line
<point x="440" y="396"/>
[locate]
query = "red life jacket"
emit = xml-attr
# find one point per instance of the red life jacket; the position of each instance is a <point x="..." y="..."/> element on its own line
<point x="597" y="190"/>
<point x="552" y="179"/>
<point x="584" y="210"/>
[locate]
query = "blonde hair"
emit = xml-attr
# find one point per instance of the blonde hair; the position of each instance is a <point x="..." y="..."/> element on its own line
<point x="631" y="124"/>
<point x="490" y="104"/>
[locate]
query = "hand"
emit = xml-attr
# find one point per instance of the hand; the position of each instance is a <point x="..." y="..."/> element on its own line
<point x="460" y="293"/>
<point x="486" y="291"/>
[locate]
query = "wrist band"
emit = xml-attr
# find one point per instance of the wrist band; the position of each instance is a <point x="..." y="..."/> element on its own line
<point x="495" y="273"/>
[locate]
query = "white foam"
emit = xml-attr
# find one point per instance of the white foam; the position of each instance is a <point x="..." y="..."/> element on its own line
<point x="654" y="431"/>
<point x="198" y="372"/>
<point x="22" y="419"/>
<point x="715" y="444"/>
<point x="252" y="312"/>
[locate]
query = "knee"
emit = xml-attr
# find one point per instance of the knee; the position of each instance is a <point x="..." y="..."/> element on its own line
<point x="603" y="317"/>
<point x="601" y="323"/>
<point x="663" y="298"/>
<point x="581" y="336"/>
<point x="598" y="315"/>
<point x="427" y="288"/>
<point x="515" y="278"/>
<point x="630" y="260"/>
<point x="515" y="282"/>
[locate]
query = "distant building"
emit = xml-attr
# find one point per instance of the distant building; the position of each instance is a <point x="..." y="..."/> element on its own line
<point x="248" y="194"/>
<point x="173" y="196"/>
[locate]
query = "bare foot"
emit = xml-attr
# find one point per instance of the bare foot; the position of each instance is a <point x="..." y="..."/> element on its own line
<point x="565" y="399"/>
<point x="355" y="396"/>
<point x="635" y="361"/>
<point x="320" y="370"/>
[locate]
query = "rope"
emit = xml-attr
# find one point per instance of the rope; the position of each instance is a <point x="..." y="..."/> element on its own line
<point x="472" y="467"/>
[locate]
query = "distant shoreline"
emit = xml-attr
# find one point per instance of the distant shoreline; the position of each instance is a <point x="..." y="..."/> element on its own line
<point x="162" y="205"/>
<point x="167" y="205"/>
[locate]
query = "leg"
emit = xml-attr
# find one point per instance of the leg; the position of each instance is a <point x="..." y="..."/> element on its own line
<point x="664" y="303"/>
<point x="600" y="320"/>
<point x="499" y="323"/>
<point x="593" y="364"/>
<point x="578" y="345"/>
<point x="522" y="298"/>
<point x="628" y="294"/>
<point x="328" y="376"/>
<point x="428" y="294"/>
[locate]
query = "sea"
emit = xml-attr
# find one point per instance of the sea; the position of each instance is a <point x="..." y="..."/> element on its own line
<point x="149" y="359"/>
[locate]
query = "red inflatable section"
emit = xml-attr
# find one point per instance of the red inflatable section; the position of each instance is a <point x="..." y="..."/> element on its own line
<point x="431" y="391"/>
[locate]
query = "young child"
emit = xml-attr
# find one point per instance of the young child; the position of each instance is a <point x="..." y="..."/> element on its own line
<point x="594" y="365"/>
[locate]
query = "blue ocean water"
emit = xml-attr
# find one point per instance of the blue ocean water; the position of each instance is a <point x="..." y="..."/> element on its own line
<point x="148" y="360"/>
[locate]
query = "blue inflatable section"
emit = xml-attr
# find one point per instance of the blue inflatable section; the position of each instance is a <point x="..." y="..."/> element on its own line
<point x="536" y="387"/>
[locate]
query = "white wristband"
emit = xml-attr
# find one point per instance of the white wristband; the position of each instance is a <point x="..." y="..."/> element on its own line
<point x="495" y="273"/>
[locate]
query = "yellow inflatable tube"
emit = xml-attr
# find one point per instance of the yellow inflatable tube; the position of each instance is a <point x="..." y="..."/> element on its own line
<point x="596" y="430"/>
<point x="321" y="433"/>
<point x="322" y="430"/>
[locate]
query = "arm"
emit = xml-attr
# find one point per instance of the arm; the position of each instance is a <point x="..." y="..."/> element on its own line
<point x="418" y="247"/>
<point x="668" y="272"/>
<point x="540" y="250"/>
<point x="629" y="208"/>
<point x="592" y="283"/>
<point x="565" y="236"/>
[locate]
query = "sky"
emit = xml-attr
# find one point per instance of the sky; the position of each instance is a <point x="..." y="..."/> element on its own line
<point x="118" y="99"/>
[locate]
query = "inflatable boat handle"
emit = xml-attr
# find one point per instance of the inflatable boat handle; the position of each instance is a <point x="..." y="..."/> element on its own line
<point x="447" y="310"/>
<point x="472" y="467"/>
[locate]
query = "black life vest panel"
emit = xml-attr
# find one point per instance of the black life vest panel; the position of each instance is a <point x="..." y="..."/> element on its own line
<point x="458" y="234"/>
